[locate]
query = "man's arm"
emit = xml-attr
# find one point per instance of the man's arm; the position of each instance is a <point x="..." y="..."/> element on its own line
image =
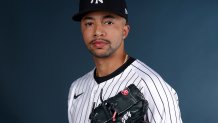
<point x="163" y="102"/>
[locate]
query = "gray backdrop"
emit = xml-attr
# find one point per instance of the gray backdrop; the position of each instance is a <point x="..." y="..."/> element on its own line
<point x="42" y="52"/>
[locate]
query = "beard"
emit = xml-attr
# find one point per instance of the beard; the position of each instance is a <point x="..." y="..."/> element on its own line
<point x="109" y="51"/>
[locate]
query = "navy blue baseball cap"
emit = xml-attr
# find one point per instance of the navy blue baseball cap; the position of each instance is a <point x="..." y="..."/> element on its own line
<point x="115" y="6"/>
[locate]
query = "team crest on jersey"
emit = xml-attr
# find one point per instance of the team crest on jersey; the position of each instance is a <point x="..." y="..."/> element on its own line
<point x="96" y="1"/>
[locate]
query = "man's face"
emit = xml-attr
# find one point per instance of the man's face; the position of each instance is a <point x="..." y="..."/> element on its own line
<point x="104" y="33"/>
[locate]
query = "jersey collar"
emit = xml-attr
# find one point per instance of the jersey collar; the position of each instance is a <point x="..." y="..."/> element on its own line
<point x="115" y="73"/>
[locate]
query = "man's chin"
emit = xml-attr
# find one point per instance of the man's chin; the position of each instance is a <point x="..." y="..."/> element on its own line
<point x="100" y="55"/>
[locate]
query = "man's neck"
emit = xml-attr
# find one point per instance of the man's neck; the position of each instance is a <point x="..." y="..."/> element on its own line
<point x="106" y="66"/>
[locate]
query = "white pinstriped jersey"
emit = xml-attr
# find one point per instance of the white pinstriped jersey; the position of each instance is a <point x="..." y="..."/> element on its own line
<point x="162" y="99"/>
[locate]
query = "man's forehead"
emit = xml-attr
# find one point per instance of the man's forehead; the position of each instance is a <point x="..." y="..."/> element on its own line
<point x="100" y="14"/>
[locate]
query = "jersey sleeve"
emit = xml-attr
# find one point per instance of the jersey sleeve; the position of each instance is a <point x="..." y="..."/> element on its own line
<point x="163" y="101"/>
<point x="163" y="104"/>
<point x="70" y="104"/>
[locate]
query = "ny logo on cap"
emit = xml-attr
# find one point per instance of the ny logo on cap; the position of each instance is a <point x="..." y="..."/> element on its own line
<point x="96" y="1"/>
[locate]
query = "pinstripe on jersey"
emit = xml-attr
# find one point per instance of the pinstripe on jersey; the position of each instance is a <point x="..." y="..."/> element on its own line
<point x="162" y="98"/>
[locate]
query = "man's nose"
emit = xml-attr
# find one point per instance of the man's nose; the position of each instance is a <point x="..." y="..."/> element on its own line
<point x="99" y="30"/>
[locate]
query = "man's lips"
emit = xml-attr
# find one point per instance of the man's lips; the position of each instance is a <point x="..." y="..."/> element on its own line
<point x="99" y="43"/>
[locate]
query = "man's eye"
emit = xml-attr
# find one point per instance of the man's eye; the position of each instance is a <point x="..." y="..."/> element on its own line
<point x="88" y="24"/>
<point x="109" y="22"/>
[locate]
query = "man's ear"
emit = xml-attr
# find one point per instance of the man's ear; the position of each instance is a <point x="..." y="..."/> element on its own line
<point x="126" y="30"/>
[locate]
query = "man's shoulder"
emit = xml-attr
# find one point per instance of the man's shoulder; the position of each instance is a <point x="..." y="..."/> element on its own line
<point x="144" y="71"/>
<point x="78" y="82"/>
<point x="86" y="76"/>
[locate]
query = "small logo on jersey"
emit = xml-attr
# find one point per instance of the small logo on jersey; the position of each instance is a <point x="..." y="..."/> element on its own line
<point x="126" y="116"/>
<point x="125" y="92"/>
<point x="76" y="96"/>
<point x="96" y="1"/>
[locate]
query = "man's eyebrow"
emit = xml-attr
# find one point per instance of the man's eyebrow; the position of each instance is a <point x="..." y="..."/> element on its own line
<point x="87" y="18"/>
<point x="109" y="16"/>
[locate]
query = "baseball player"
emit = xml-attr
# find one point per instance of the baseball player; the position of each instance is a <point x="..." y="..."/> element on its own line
<point x="104" y="27"/>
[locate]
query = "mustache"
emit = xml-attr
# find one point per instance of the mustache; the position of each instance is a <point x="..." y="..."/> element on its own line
<point x="105" y="40"/>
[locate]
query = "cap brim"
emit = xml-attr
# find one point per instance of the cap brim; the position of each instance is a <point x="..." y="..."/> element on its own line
<point x="80" y="15"/>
